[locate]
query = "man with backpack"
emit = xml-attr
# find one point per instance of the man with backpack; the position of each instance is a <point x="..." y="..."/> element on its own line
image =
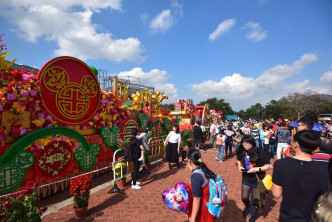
<point x="198" y="136"/>
<point x="229" y="140"/>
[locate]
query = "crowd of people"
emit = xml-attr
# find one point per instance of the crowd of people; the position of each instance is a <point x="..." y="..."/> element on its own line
<point x="301" y="174"/>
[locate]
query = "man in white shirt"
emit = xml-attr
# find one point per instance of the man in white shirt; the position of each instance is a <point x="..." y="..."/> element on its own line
<point x="213" y="133"/>
<point x="246" y="129"/>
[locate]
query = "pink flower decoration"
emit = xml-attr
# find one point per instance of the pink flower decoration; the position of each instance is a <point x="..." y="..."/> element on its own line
<point x="33" y="93"/>
<point x="11" y="96"/>
<point x="24" y="93"/>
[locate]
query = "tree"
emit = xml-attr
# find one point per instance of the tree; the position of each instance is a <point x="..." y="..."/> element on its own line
<point x="273" y="110"/>
<point x="255" y="111"/>
<point x="167" y="106"/>
<point x="303" y="104"/>
<point x="217" y="105"/>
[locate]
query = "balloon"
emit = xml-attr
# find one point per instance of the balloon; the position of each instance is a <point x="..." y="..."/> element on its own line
<point x="177" y="198"/>
<point x="94" y="70"/>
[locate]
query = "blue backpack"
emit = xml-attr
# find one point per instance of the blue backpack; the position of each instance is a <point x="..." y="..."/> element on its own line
<point x="218" y="194"/>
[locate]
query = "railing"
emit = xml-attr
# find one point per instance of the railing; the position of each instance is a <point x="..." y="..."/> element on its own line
<point x="156" y="145"/>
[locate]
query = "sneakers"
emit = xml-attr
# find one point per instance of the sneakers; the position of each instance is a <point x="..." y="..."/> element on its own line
<point x="135" y="187"/>
<point x="246" y="212"/>
<point x="137" y="183"/>
<point x="221" y="161"/>
<point x="203" y="151"/>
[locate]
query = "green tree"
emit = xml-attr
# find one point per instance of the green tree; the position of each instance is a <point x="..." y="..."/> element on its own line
<point x="273" y="109"/>
<point x="218" y="105"/>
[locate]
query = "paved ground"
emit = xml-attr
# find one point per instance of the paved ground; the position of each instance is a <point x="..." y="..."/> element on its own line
<point x="146" y="204"/>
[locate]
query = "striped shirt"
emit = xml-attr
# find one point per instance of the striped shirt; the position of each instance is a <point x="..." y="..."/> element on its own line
<point x="323" y="157"/>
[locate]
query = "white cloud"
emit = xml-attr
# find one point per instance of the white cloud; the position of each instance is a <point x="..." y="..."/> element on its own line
<point x="166" y="18"/>
<point x="256" y="34"/>
<point x="156" y="78"/>
<point x="242" y="91"/>
<point x="222" y="28"/>
<point x="68" y="23"/>
<point x="144" y="17"/>
<point x="163" y="21"/>
<point x="327" y="78"/>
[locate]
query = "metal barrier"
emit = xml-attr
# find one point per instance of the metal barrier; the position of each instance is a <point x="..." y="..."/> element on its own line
<point x="120" y="160"/>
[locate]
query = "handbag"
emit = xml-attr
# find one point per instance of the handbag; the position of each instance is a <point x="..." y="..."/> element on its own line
<point x="267" y="181"/>
<point x="287" y="152"/>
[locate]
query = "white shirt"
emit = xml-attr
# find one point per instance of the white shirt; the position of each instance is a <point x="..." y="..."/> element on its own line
<point x="266" y="137"/>
<point x="213" y="127"/>
<point x="174" y="137"/>
<point x="203" y="128"/>
<point x="246" y="131"/>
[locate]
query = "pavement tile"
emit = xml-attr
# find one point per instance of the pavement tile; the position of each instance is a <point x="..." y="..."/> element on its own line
<point x="147" y="205"/>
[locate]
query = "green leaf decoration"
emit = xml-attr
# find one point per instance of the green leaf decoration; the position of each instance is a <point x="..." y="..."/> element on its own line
<point x="25" y="160"/>
<point x="110" y="136"/>
<point x="167" y="122"/>
<point x="11" y="177"/>
<point x="143" y="120"/>
<point x="87" y="158"/>
<point x="177" y="119"/>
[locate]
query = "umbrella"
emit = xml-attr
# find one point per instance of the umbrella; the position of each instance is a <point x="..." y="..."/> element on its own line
<point x="294" y="124"/>
<point x="317" y="127"/>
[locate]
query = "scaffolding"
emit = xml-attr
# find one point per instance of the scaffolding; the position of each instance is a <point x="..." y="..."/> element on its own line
<point x="107" y="82"/>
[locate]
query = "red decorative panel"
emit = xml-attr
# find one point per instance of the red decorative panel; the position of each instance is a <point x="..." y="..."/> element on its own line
<point x="70" y="90"/>
<point x="127" y="126"/>
<point x="54" y="159"/>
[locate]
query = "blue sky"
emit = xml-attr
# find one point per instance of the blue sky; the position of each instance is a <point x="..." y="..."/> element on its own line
<point x="244" y="51"/>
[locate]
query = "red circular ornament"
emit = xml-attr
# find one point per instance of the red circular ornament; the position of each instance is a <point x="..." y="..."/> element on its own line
<point x="127" y="126"/>
<point x="54" y="159"/>
<point x="70" y="90"/>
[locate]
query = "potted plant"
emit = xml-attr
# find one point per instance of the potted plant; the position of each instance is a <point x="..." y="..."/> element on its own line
<point x="124" y="144"/>
<point x="24" y="207"/>
<point x="122" y="181"/>
<point x="80" y="190"/>
<point x="147" y="159"/>
<point x="186" y="139"/>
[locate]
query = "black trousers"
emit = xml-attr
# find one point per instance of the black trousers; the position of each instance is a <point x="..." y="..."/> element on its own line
<point x="134" y="174"/>
<point x="200" y="141"/>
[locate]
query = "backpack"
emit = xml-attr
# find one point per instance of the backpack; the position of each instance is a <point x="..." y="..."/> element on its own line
<point x="218" y="193"/>
<point x="219" y="141"/>
<point x="128" y="154"/>
<point x="229" y="139"/>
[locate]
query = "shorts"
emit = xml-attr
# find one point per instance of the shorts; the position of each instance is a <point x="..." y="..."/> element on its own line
<point x="252" y="184"/>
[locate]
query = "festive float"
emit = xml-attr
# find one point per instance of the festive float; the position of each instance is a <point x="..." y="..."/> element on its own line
<point x="60" y="123"/>
<point x="185" y="114"/>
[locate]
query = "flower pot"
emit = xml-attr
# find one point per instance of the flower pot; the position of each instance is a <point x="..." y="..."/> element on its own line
<point x="147" y="166"/>
<point x="121" y="184"/>
<point x="81" y="212"/>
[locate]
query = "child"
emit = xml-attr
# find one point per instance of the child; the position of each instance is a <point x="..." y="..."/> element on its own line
<point x="221" y="137"/>
<point x="143" y="137"/>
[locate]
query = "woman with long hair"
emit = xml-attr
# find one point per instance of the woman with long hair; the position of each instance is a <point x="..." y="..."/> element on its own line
<point x="136" y="147"/>
<point x="199" y="188"/>
<point x="253" y="163"/>
<point x="267" y="133"/>
<point x="173" y="142"/>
